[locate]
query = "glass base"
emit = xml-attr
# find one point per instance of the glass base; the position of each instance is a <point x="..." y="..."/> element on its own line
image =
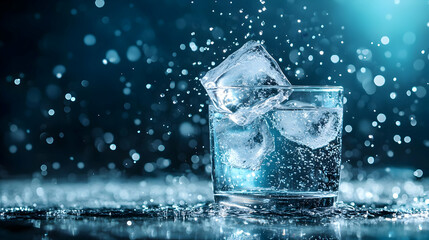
<point x="276" y="202"/>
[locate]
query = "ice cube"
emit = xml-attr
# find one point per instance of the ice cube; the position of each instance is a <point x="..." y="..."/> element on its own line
<point x="308" y="125"/>
<point x="243" y="105"/>
<point x="244" y="146"/>
<point x="233" y="84"/>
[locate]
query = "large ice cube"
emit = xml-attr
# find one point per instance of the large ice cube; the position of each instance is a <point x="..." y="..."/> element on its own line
<point x="308" y="125"/>
<point x="233" y="84"/>
<point x="244" y="146"/>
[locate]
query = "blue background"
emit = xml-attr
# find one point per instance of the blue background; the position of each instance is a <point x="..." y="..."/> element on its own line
<point x="144" y="97"/>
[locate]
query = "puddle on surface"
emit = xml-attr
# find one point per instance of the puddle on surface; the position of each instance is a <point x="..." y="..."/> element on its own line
<point x="159" y="209"/>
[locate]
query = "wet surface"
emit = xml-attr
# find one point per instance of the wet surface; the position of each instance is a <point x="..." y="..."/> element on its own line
<point x="176" y="208"/>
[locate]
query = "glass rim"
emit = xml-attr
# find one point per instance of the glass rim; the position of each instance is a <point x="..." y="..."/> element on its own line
<point x="293" y="87"/>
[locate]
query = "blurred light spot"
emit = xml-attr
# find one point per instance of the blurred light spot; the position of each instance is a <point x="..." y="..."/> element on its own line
<point x="379" y="80"/>
<point x="43" y="167"/>
<point x="53" y="91"/>
<point x="80" y="165"/>
<point x="299" y="73"/>
<point x="392" y="95"/>
<point x="419" y="64"/>
<point x="149" y="167"/>
<point x="112" y="56"/>
<point x="418" y="173"/>
<point x="186" y="129"/>
<point x="348" y="128"/>
<point x="385" y="40"/>
<point x="108" y="137"/>
<point x="335" y="58"/>
<point x="84" y="120"/>
<point x="28" y="146"/>
<point x="294" y="56"/>
<point x="56" y="165"/>
<point x="111" y="165"/>
<point x="217" y="33"/>
<point x="89" y="40"/>
<point x="193" y="46"/>
<point x="17" y="81"/>
<point x="112" y="147"/>
<point x="381" y="118"/>
<point x="388" y="54"/>
<point x="59" y="71"/>
<point x="126" y="91"/>
<point x="351" y="68"/>
<point x="421" y="92"/>
<point x="133" y="53"/>
<point x="161" y="148"/>
<point x="370" y="160"/>
<point x="135" y="156"/>
<point x="407" y="139"/>
<point x="397" y="138"/>
<point x="51" y="112"/>
<point x="364" y="54"/>
<point x="13" y="149"/>
<point x="84" y="83"/>
<point x="409" y="38"/>
<point x="99" y="3"/>
<point x="49" y="140"/>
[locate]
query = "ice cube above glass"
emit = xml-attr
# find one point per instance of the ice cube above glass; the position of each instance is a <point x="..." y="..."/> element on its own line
<point x="249" y="66"/>
<point x="273" y="145"/>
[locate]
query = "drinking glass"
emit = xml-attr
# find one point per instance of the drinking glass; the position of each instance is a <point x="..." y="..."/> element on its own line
<point x="287" y="157"/>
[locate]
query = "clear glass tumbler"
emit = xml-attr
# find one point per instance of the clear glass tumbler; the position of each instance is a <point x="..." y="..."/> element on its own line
<point x="287" y="157"/>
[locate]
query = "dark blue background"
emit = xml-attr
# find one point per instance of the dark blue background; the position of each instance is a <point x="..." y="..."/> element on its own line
<point x="171" y="133"/>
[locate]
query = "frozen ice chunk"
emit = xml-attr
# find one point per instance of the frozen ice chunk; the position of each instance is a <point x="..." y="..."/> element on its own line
<point x="233" y="84"/>
<point x="243" y="105"/>
<point x="251" y="65"/>
<point x="307" y="125"/>
<point x="244" y="146"/>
